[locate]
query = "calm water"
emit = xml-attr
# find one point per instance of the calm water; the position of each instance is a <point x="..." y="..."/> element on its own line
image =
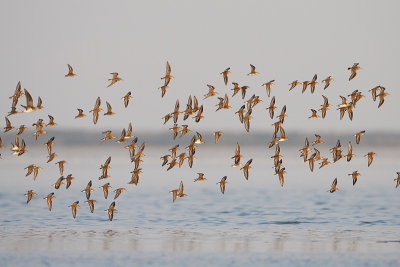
<point x="256" y="222"/>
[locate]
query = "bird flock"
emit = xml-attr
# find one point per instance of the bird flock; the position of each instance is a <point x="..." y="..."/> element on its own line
<point x="194" y="110"/>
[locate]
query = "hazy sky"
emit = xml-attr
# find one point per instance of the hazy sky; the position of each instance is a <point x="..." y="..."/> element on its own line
<point x="285" y="40"/>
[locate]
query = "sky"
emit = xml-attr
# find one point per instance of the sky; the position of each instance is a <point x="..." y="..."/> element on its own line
<point x="285" y="40"/>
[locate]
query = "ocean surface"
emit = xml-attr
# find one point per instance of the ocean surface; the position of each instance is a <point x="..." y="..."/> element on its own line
<point x="256" y="222"/>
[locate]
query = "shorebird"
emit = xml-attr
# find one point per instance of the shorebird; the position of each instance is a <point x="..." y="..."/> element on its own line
<point x="217" y="135"/>
<point x="114" y="78"/>
<point x="222" y="184"/>
<point x="271" y="107"/>
<point x="111" y="210"/>
<point x="374" y="92"/>
<point x="163" y="89"/>
<point x="61" y="166"/>
<point x="397" y="180"/>
<point x="199" y="138"/>
<point x="225" y="75"/>
<point x="49" y="199"/>
<point x="69" y="179"/>
<point x="107" y="136"/>
<point x="109" y="110"/>
<point x="175" y="130"/>
<point x="324" y="107"/>
<point x="354" y="175"/>
<point x="180" y="190"/>
<point x="280" y="174"/>
<point x="317" y="140"/>
<point x="50" y="144"/>
<point x="91" y="204"/>
<point x="126" y="99"/>
<point x="88" y="189"/>
<point x="96" y="110"/>
<point x="51" y="157"/>
<point x="244" y="90"/>
<point x="29" y="107"/>
<point x="236" y="88"/>
<point x="30" y="194"/>
<point x="370" y="156"/>
<point x="305" y="150"/>
<point x="327" y="81"/>
<point x="199" y="115"/>
<point x="237" y="156"/>
<point x="39" y="103"/>
<point x="283" y="135"/>
<point x="268" y="86"/>
<point x="305" y="84"/>
<point x="172" y="164"/>
<point x="333" y="187"/>
<point x="313" y="83"/>
<point x="381" y="96"/>
<point x="118" y="192"/>
<point x="176" y="112"/>
<point x="182" y="158"/>
<point x="324" y="162"/>
<point x="253" y="71"/>
<point x="167" y="78"/>
<point x="105" y="189"/>
<point x="294" y="84"/>
<point x="59" y="182"/>
<point x="353" y="70"/>
<point x="129" y="134"/>
<point x="21" y="129"/>
<point x="314" y="114"/>
<point x="80" y="114"/>
<point x="122" y="137"/>
<point x="210" y="92"/>
<point x="8" y="127"/>
<point x="166" y="118"/>
<point x="246" y="168"/>
<point x="165" y="159"/>
<point x="283" y="115"/>
<point x="200" y="177"/>
<point x="105" y="168"/>
<point x="350" y="154"/>
<point x="246" y="120"/>
<point x="184" y="130"/>
<point x="73" y="208"/>
<point x="70" y="72"/>
<point x="51" y="121"/>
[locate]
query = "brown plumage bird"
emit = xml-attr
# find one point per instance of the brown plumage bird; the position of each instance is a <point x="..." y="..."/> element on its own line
<point x="271" y="108"/>
<point x="210" y="92"/>
<point x="222" y="184"/>
<point x="294" y="84"/>
<point x="61" y="166"/>
<point x="91" y="204"/>
<point x="268" y="86"/>
<point x="200" y="177"/>
<point x="88" y="189"/>
<point x="397" y="180"/>
<point x="109" y="110"/>
<point x="49" y="199"/>
<point x="114" y="78"/>
<point x="111" y="210"/>
<point x="333" y="186"/>
<point x="59" y="182"/>
<point x="80" y="114"/>
<point x="105" y="189"/>
<point x="327" y="81"/>
<point x="70" y="71"/>
<point x="96" y="110"/>
<point x="246" y="168"/>
<point x="353" y="70"/>
<point x="167" y="78"/>
<point x="225" y="75"/>
<point x="73" y="208"/>
<point x="8" y="127"/>
<point x="354" y="175"/>
<point x="118" y="192"/>
<point x="253" y="71"/>
<point x="370" y="156"/>
<point x="126" y="99"/>
<point x="29" y="194"/>
<point x="51" y="121"/>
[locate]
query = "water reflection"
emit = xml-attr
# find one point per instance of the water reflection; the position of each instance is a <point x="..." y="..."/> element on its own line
<point x="195" y="242"/>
